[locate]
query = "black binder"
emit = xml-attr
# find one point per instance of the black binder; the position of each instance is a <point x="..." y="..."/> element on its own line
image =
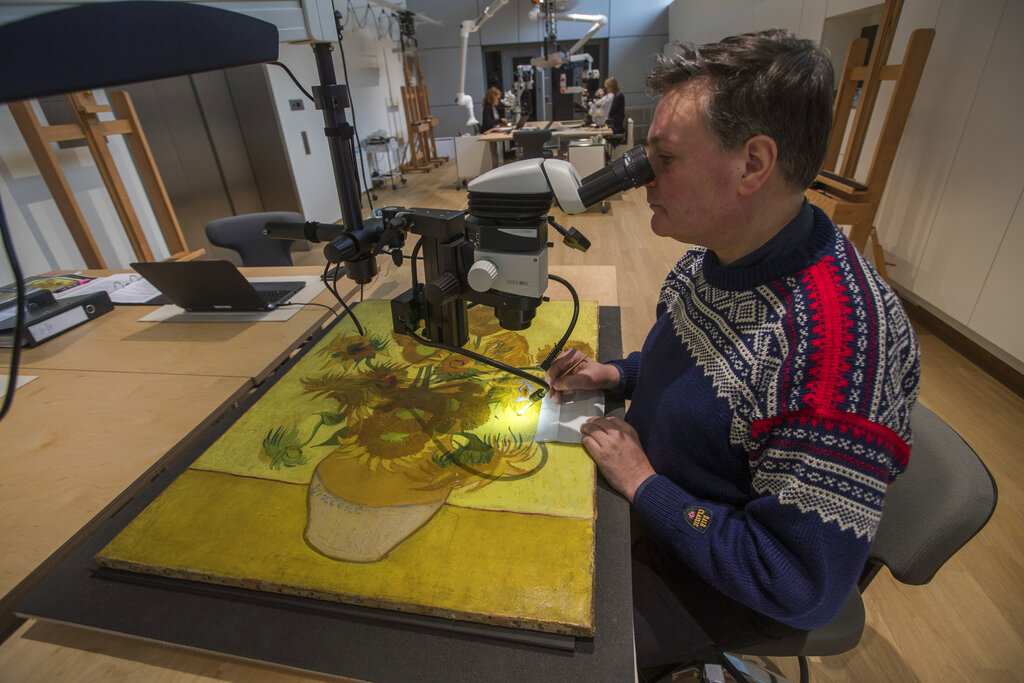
<point x="46" y="317"/>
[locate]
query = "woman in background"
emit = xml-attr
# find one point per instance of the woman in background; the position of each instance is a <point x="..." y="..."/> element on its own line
<point x="494" y="110"/>
<point x="617" y="112"/>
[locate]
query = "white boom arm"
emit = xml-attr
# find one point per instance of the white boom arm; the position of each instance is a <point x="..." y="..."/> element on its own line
<point x="559" y="59"/>
<point x="472" y="26"/>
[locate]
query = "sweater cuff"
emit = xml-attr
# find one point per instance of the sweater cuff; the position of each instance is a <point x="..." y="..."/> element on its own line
<point x="629" y="371"/>
<point x="640" y="489"/>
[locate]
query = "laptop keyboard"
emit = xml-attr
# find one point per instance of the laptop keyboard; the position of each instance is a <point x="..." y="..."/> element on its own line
<point x="276" y="296"/>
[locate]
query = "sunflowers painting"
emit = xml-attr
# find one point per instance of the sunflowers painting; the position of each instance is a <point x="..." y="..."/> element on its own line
<point x="382" y="472"/>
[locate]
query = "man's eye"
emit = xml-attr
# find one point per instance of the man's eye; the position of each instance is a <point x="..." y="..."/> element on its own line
<point x="664" y="158"/>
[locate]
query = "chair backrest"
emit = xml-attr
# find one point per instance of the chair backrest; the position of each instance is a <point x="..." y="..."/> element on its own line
<point x="623" y="143"/>
<point x="942" y="500"/>
<point x="531" y="142"/>
<point x="244" y="234"/>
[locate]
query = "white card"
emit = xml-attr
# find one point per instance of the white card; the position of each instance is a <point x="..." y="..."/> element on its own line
<point x="562" y="421"/>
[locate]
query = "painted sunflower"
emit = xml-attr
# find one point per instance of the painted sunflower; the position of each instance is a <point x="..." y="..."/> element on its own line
<point x="413" y="352"/>
<point x="352" y="348"/>
<point x="583" y="347"/>
<point x="477" y="461"/>
<point x="481" y="321"/>
<point x="359" y="394"/>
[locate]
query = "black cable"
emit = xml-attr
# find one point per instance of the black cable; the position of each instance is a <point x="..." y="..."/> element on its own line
<point x="355" y="127"/>
<point x="313" y="303"/>
<point x="572" y="323"/>
<point x="295" y="80"/>
<point x="19" y="320"/>
<point x="334" y="290"/>
<point x="478" y="357"/>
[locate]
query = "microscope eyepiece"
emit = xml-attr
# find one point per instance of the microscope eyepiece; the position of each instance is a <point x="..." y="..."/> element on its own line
<point x="631" y="170"/>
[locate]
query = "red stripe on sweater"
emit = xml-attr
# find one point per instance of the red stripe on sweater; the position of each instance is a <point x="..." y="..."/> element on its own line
<point x="832" y="420"/>
<point x="832" y="339"/>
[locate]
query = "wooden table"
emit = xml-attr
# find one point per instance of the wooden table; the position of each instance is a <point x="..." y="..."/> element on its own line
<point x="560" y="130"/>
<point x="114" y="399"/>
<point x="76" y="437"/>
<point x="119" y="342"/>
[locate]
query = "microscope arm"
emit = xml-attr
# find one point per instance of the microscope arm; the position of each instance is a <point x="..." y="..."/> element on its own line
<point x="472" y="26"/>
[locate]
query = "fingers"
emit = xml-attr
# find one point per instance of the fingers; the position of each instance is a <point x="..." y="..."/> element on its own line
<point x="564" y="361"/>
<point x="595" y="425"/>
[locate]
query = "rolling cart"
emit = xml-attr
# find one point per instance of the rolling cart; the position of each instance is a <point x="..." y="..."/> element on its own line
<point x="385" y="159"/>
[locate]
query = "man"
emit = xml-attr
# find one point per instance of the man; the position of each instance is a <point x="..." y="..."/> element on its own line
<point x="770" y="404"/>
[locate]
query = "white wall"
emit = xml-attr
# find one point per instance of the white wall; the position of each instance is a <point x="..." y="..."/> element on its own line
<point x="952" y="217"/>
<point x="375" y="71"/>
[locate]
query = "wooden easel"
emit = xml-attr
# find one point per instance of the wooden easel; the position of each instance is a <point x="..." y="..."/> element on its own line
<point x="846" y="201"/>
<point x="89" y="127"/>
<point x="421" y="151"/>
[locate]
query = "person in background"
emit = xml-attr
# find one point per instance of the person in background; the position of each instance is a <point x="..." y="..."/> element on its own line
<point x="494" y="110"/>
<point x="617" y="110"/>
<point x="600" y="106"/>
<point x="770" y="404"/>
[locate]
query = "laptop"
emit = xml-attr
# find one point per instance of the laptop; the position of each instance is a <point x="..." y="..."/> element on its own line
<point x="205" y="286"/>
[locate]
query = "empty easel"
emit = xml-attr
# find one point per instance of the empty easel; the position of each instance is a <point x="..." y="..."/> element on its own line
<point x="836" y="191"/>
<point x="89" y="127"/>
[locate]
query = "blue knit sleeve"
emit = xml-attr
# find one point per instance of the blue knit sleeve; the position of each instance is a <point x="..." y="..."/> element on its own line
<point x="798" y="544"/>
<point x="767" y="556"/>
<point x="629" y="370"/>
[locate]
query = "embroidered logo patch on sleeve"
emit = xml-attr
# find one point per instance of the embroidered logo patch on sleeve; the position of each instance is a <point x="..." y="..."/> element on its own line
<point x="699" y="518"/>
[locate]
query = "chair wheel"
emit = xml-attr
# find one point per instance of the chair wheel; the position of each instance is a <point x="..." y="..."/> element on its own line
<point x="374" y="195"/>
<point x="403" y="181"/>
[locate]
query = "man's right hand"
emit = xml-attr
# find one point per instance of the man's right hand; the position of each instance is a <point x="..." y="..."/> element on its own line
<point x="575" y="370"/>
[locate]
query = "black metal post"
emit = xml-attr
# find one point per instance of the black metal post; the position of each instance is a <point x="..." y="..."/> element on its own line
<point x="332" y="99"/>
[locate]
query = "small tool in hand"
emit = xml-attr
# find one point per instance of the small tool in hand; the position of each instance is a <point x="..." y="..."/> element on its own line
<point x="571" y="367"/>
<point x="540" y="393"/>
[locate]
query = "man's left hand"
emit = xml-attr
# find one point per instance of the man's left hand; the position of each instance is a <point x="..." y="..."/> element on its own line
<point x="615" y="447"/>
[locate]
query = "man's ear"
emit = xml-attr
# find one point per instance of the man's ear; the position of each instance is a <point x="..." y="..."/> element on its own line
<point x="761" y="156"/>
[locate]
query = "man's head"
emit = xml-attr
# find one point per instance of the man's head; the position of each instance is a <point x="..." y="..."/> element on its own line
<point x="767" y="83"/>
<point x="738" y="134"/>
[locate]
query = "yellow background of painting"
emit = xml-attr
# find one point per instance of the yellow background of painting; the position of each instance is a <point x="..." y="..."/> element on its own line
<point x="516" y="551"/>
<point x="492" y="567"/>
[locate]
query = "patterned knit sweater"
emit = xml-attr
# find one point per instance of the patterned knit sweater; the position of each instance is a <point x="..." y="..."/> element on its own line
<point x="774" y="403"/>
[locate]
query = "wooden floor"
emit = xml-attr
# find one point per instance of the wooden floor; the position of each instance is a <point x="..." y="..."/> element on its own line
<point x="968" y="623"/>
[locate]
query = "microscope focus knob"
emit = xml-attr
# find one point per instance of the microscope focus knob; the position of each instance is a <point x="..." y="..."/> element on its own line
<point x="443" y="289"/>
<point x="482" y="275"/>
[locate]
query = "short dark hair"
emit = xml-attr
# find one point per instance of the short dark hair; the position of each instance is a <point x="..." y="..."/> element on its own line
<point x="768" y="83"/>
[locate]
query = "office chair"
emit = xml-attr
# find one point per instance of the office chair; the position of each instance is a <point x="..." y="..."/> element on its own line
<point x="244" y="235"/>
<point x="620" y="144"/>
<point x="942" y="500"/>
<point x="531" y="143"/>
